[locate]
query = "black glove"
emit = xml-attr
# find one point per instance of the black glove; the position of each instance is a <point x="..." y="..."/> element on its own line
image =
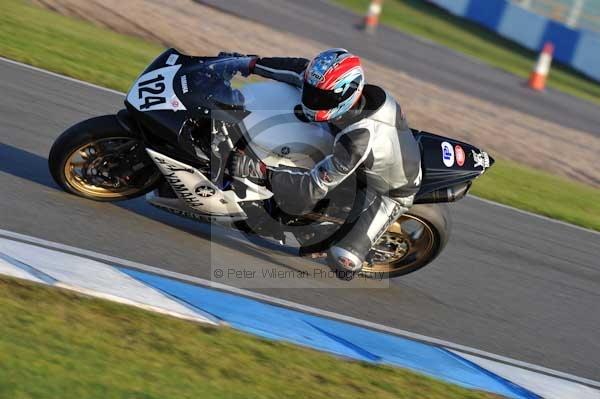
<point x="244" y="166"/>
<point x="243" y="63"/>
<point x="224" y="54"/>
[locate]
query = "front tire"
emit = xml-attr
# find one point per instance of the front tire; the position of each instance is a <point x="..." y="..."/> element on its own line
<point x="100" y="160"/>
<point x="410" y="243"/>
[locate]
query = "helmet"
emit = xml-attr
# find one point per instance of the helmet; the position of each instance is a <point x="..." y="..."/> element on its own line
<point x="333" y="83"/>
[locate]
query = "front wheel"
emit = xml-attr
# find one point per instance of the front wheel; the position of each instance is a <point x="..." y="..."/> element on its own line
<point x="100" y="160"/>
<point x="410" y="243"/>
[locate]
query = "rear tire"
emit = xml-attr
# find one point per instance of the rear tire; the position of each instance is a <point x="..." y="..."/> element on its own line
<point x="435" y="225"/>
<point x="81" y="139"/>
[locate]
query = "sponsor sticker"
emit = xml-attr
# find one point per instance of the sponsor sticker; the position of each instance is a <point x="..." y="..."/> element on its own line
<point x="184" y="85"/>
<point x="316" y="77"/>
<point x="177" y="184"/>
<point x="447" y="154"/>
<point x="205" y="191"/>
<point x="175" y="103"/>
<point x="481" y="159"/>
<point x="459" y="154"/>
<point x="172" y="59"/>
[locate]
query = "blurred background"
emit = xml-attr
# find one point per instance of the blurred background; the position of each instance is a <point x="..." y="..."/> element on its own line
<point x="583" y="14"/>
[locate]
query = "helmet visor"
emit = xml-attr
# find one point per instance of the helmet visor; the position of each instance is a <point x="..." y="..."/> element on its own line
<point x="318" y="99"/>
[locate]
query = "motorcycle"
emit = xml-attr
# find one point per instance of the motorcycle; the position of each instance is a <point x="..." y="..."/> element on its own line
<point x="183" y="118"/>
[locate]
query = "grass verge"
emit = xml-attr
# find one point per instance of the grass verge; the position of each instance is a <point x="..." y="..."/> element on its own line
<point x="79" y="49"/>
<point x="419" y="18"/>
<point x="58" y="344"/>
<point x="525" y="188"/>
<point x="71" y="47"/>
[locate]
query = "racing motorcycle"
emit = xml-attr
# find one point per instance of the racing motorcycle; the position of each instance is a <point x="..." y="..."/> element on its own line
<point x="183" y="118"/>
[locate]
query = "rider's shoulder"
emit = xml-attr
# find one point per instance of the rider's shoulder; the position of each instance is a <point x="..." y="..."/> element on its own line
<point x="380" y="105"/>
<point x="375" y="96"/>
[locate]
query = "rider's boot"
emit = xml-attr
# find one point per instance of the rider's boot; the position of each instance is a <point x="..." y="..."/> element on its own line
<point x="348" y="255"/>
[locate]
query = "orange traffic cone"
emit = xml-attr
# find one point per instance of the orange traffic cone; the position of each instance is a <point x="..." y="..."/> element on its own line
<point x="372" y="18"/>
<point x="537" y="79"/>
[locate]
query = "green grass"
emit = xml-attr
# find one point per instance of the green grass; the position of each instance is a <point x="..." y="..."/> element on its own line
<point x="58" y="344"/>
<point x="41" y="38"/>
<point x="419" y="18"/>
<point x="525" y="188"/>
<point x="74" y="48"/>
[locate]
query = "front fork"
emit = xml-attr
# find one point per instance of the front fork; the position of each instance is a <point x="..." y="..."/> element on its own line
<point x="219" y="148"/>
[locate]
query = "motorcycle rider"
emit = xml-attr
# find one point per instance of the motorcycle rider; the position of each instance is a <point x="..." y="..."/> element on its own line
<point x="372" y="139"/>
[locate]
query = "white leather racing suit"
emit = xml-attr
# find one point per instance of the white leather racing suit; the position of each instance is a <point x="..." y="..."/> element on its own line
<point x="372" y="141"/>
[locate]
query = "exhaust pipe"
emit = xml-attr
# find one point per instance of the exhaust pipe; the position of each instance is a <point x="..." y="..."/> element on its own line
<point x="449" y="194"/>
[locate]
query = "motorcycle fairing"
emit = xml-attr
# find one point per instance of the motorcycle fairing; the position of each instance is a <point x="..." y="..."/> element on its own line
<point x="154" y="91"/>
<point x="437" y="174"/>
<point x="199" y="194"/>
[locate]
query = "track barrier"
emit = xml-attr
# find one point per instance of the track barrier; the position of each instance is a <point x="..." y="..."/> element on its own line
<point x="578" y="48"/>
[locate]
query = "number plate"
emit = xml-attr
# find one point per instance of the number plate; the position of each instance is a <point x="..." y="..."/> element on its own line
<point x="153" y="91"/>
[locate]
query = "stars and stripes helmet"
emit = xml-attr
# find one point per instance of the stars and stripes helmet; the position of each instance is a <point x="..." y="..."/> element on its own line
<point x="333" y="83"/>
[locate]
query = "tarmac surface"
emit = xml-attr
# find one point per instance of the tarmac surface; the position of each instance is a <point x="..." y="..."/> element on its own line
<point x="508" y="282"/>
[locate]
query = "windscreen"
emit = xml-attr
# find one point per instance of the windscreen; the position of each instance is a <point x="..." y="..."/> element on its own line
<point x="209" y="82"/>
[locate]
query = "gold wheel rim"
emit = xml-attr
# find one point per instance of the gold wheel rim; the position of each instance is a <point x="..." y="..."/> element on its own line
<point x="406" y="244"/>
<point x="80" y="163"/>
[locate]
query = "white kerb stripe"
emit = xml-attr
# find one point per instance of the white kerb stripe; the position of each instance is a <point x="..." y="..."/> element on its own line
<point x="297" y="306"/>
<point x="84" y="274"/>
<point x="9" y="268"/>
<point x="544" y="385"/>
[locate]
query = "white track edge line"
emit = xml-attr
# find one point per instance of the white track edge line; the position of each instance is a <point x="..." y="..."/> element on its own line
<point x="297" y="306"/>
<point x="528" y="213"/>
<point x="57" y="75"/>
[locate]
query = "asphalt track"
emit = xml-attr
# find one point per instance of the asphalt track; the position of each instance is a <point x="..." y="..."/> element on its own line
<point x="508" y="283"/>
<point x="327" y="23"/>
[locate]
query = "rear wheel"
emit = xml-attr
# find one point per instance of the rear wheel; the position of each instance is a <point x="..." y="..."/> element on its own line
<point x="100" y="160"/>
<point x="410" y="243"/>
